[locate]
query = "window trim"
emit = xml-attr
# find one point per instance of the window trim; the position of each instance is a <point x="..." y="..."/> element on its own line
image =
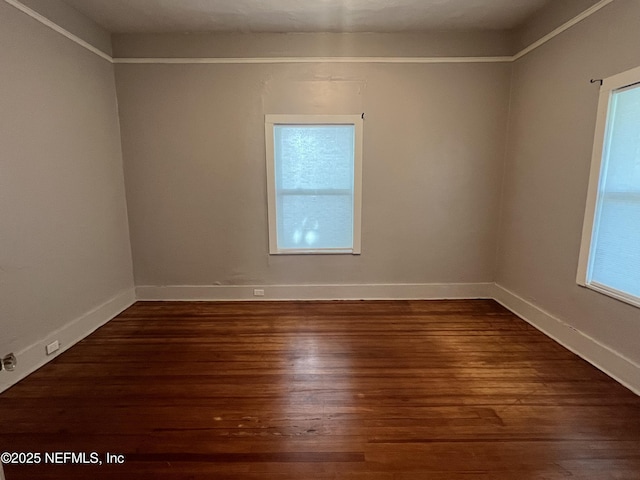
<point x="609" y="86"/>
<point x="271" y="120"/>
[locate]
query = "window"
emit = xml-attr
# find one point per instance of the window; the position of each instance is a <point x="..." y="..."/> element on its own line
<point x="610" y="253"/>
<point x="314" y="165"/>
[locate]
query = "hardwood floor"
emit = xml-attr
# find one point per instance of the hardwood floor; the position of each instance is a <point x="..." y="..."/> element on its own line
<point x="323" y="390"/>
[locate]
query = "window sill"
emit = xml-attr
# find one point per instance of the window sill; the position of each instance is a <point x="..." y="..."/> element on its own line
<point x="324" y="251"/>
<point x="610" y="292"/>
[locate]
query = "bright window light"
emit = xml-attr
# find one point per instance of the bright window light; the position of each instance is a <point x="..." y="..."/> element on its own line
<point x="314" y="165"/>
<point x="611" y="240"/>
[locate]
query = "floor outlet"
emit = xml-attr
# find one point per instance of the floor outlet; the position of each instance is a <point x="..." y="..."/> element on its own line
<point x="53" y="347"/>
<point x="258" y="292"/>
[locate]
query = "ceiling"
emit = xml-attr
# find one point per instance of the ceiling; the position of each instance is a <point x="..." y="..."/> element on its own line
<point x="163" y="16"/>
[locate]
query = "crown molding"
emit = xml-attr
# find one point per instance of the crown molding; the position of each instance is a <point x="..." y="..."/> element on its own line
<point x="283" y="60"/>
<point x="263" y="60"/>
<point x="565" y="26"/>
<point x="57" y="28"/>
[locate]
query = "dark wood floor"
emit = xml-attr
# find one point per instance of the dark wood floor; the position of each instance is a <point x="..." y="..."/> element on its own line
<point x="399" y="390"/>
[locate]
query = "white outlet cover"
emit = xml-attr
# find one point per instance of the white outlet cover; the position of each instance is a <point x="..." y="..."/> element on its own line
<point x="53" y="347"/>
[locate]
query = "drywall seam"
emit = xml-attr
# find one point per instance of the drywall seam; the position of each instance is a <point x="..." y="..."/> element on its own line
<point x="398" y="291"/>
<point x="34" y="356"/>
<point x="604" y="358"/>
<point x="419" y="60"/>
<point x="57" y="28"/>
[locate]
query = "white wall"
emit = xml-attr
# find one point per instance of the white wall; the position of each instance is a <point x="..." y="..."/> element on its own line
<point x="551" y="128"/>
<point x="65" y="261"/>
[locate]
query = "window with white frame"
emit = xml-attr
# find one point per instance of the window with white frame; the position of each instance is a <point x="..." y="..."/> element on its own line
<point x="610" y="252"/>
<point x="314" y="169"/>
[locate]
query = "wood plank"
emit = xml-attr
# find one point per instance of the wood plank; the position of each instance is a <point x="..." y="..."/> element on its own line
<point x="384" y="390"/>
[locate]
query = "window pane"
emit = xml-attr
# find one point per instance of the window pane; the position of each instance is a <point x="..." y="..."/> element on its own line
<point x="616" y="257"/>
<point x="315" y="221"/>
<point x="314" y="156"/>
<point x="314" y="166"/>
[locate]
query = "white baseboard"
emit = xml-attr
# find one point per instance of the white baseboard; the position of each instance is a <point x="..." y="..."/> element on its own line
<point x="398" y="291"/>
<point x="34" y="356"/>
<point x="622" y="369"/>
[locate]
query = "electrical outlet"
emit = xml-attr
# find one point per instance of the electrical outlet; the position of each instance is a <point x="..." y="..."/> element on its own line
<point x="9" y="362"/>
<point x="53" y="347"/>
<point x="258" y="292"/>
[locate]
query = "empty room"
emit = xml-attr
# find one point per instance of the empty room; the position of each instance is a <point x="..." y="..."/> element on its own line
<point x="330" y="239"/>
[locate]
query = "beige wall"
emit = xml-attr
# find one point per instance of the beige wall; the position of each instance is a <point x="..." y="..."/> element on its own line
<point x="71" y="20"/>
<point x="193" y="145"/>
<point x="553" y="112"/>
<point x="64" y="247"/>
<point x="437" y="44"/>
<point x="553" y="15"/>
